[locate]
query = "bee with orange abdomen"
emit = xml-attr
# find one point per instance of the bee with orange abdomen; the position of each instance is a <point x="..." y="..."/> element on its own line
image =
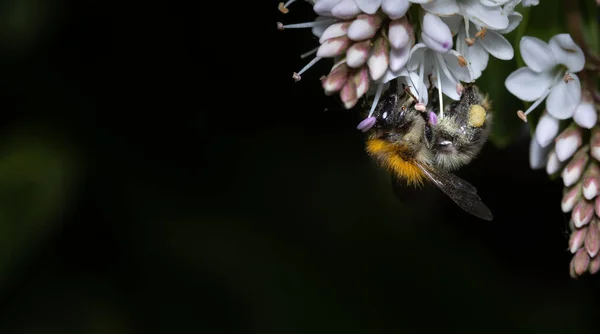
<point x="427" y="145"/>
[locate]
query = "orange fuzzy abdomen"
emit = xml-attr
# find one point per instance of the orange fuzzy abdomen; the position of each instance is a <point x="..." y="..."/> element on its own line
<point x="396" y="158"/>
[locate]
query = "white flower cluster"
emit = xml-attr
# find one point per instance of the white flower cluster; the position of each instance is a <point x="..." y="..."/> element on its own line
<point x="566" y="138"/>
<point x="375" y="41"/>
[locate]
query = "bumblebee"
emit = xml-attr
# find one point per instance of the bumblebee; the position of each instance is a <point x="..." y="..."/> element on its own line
<point x="417" y="146"/>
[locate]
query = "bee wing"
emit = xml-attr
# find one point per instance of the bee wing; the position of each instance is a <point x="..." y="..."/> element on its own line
<point x="459" y="190"/>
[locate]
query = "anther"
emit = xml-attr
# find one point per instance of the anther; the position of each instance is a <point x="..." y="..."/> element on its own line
<point x="420" y="107"/>
<point x="296" y="76"/>
<point x="279" y="26"/>
<point x="568" y="78"/>
<point x="470" y="41"/>
<point x="522" y="116"/>
<point x="283" y="7"/>
<point x="481" y="33"/>
<point x="462" y="61"/>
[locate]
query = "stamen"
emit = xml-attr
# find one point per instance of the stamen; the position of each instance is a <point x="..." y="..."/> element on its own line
<point x="522" y="115"/>
<point x="481" y="33"/>
<point x="470" y="41"/>
<point x="297" y="76"/>
<point x="462" y="61"/>
<point x="306" y="54"/>
<point x="311" y="24"/>
<point x="284" y="7"/>
<point x="376" y="99"/>
<point x="537" y="102"/>
<point x="421" y="83"/>
<point x="567" y="78"/>
<point x="440" y="97"/>
<point x="541" y="98"/>
<point x="466" y="20"/>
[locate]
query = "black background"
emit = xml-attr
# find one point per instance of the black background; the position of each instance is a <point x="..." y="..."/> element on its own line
<point x="202" y="190"/>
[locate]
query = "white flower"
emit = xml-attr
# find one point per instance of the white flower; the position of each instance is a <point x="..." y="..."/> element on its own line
<point x="550" y="72"/>
<point x="446" y="70"/>
<point x="484" y="15"/>
<point x="477" y="43"/>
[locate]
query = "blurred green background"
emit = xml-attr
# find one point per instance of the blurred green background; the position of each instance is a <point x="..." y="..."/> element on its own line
<point x="159" y="176"/>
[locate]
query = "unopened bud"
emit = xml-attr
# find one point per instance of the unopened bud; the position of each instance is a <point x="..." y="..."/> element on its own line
<point x="361" y="80"/>
<point x="334" y="47"/>
<point x="572" y="172"/>
<point x="348" y="94"/>
<point x="568" y="142"/>
<point x="577" y="239"/>
<point x="582" y="213"/>
<point x="379" y="61"/>
<point x="570" y="197"/>
<point x="364" y="27"/>
<point x="591" y="181"/>
<point x="581" y="260"/>
<point x="592" y="239"/>
<point x="336" y="79"/>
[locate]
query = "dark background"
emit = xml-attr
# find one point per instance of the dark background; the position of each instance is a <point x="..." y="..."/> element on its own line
<point x="158" y="174"/>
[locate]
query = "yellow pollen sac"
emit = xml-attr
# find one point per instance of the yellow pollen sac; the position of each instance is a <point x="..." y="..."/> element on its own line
<point x="476" y="116"/>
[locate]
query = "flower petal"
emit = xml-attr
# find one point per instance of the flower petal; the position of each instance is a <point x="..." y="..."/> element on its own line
<point x="411" y="80"/>
<point x="493" y="2"/>
<point x="585" y="115"/>
<point x="441" y="7"/>
<point x="395" y="9"/>
<point x="368" y="6"/>
<point x="546" y="130"/>
<point x="454" y="22"/>
<point x="566" y="52"/>
<point x="417" y="54"/>
<point x="564" y="98"/>
<point x="529" y="3"/>
<point x="491" y="17"/>
<point x="514" y="19"/>
<point x="528" y="85"/>
<point x="538" y="155"/>
<point x="478" y="58"/>
<point x="497" y="45"/>
<point x="536" y="54"/>
<point x="448" y="87"/>
<point x="462" y="73"/>
<point x="389" y="75"/>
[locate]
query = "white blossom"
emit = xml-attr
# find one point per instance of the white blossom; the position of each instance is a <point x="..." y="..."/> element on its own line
<point x="550" y="73"/>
